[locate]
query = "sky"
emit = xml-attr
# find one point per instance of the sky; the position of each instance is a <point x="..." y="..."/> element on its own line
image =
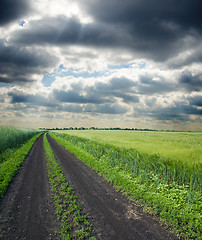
<point x="101" y="63"/>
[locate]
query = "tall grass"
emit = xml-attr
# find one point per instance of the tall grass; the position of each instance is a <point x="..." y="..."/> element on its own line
<point x="143" y="164"/>
<point x="11" y="166"/>
<point x="171" y="189"/>
<point x="184" y="146"/>
<point x="11" y="137"/>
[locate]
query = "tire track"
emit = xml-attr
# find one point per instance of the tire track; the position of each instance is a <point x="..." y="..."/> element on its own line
<point x="113" y="216"/>
<point x="27" y="211"/>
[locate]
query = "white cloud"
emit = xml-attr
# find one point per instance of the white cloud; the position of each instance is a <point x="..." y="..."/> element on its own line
<point x="66" y="8"/>
<point x="101" y="67"/>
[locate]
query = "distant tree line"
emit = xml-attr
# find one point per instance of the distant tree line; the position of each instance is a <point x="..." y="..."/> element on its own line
<point x="96" y="128"/>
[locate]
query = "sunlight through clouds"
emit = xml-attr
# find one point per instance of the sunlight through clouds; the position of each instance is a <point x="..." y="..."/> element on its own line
<point x="103" y="63"/>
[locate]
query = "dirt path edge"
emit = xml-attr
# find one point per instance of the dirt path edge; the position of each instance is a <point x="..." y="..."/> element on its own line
<point x="112" y="214"/>
<point x="27" y="210"/>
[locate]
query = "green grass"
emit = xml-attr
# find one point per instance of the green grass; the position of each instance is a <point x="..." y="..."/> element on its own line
<point x="171" y="189"/>
<point x="11" y="137"/>
<point x="74" y="223"/>
<point x="185" y="146"/>
<point x="10" y="167"/>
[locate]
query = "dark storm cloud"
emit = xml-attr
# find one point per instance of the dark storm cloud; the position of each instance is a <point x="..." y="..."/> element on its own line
<point x="195" y="100"/>
<point x="73" y="96"/>
<point x="182" y="108"/>
<point x="121" y="88"/>
<point x="69" y="102"/>
<point x="184" y="13"/>
<point x="25" y="98"/>
<point x="11" y="10"/>
<point x="180" y="111"/>
<point x="101" y="98"/>
<point x="17" y="64"/>
<point x="49" y="30"/>
<point x="37" y="100"/>
<point x="191" y="82"/>
<point x="194" y="57"/>
<point x="149" y="86"/>
<point x="169" y="114"/>
<point x="30" y="99"/>
<point x="63" y="30"/>
<point x="126" y="97"/>
<point x="115" y="84"/>
<point x="156" y="27"/>
<point x="99" y="93"/>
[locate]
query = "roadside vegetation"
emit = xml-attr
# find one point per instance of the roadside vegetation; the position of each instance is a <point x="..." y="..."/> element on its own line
<point x="13" y="161"/>
<point x="74" y="223"/>
<point x="11" y="139"/>
<point x="168" y="188"/>
<point x="184" y="146"/>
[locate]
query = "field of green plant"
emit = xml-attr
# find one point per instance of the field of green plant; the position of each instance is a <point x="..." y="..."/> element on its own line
<point x="168" y="185"/>
<point x="15" y="144"/>
<point x="186" y="146"/>
<point x="10" y="166"/>
<point x="11" y="137"/>
<point x="162" y="171"/>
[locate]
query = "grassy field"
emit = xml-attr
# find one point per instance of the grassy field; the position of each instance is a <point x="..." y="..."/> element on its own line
<point x="186" y="146"/>
<point x="168" y="185"/>
<point x="10" y="166"/>
<point x="11" y="137"/>
<point x="15" y="144"/>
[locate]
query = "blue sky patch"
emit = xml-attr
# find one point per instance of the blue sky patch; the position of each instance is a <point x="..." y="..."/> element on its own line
<point x="48" y="80"/>
<point x="21" y="23"/>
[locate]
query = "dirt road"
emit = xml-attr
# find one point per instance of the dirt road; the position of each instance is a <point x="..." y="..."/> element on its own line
<point x="111" y="214"/>
<point x="27" y="211"/>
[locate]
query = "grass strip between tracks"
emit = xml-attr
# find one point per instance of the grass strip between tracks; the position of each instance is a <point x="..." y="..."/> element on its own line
<point x="74" y="223"/>
<point x="10" y="167"/>
<point x="174" y="204"/>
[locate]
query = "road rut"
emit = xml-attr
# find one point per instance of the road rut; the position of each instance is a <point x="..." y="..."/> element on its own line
<point x="27" y="211"/>
<point x="112" y="214"/>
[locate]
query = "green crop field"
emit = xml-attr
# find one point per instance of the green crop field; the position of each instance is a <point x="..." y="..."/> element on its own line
<point x="161" y="170"/>
<point x="11" y="137"/>
<point x="186" y="146"/>
<point x="15" y="144"/>
<point x="10" y="166"/>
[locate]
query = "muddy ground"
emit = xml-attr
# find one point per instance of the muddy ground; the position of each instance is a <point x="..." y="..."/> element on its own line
<point x="27" y="210"/>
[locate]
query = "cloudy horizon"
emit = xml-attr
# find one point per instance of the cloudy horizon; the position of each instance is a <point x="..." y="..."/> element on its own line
<point x="109" y="63"/>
